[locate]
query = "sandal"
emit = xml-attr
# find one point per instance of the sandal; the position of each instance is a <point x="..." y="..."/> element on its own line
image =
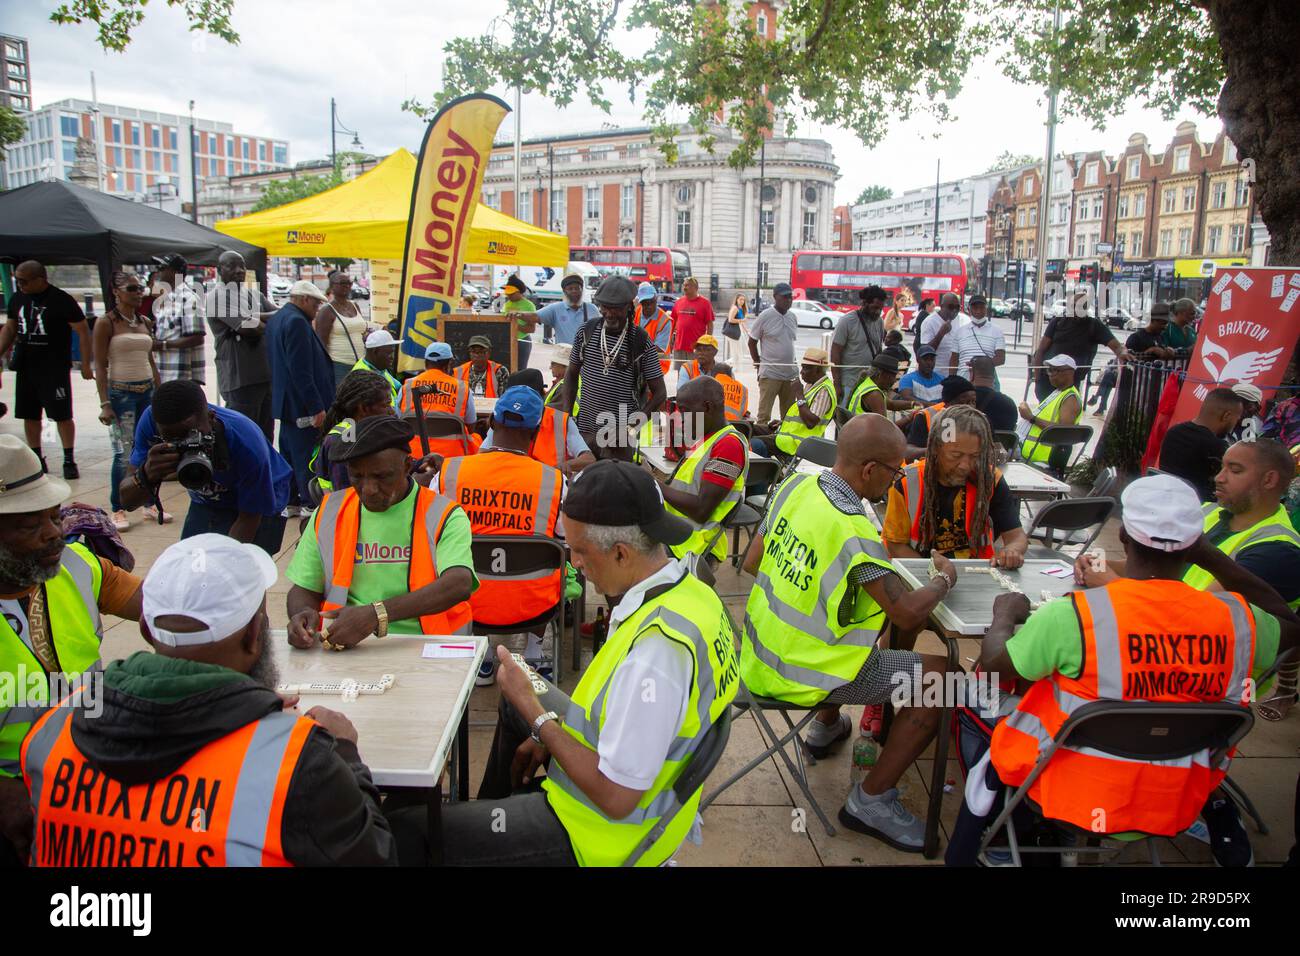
<point x="1277" y="705"/>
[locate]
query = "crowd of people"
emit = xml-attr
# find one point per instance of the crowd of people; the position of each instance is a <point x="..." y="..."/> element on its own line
<point x="385" y="482"/>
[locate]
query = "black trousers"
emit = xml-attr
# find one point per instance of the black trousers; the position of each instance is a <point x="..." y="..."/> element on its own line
<point x="254" y="401"/>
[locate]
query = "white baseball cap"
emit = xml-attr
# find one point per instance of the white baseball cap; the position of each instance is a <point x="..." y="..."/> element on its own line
<point x="379" y="338"/>
<point x="216" y="580"/>
<point x="562" y="354"/>
<point x="1248" y="393"/>
<point x="1061" y="361"/>
<point x="1162" y="512"/>
<point x="304" y="287"/>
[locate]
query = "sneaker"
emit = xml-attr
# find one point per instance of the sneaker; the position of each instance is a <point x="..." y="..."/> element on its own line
<point x="885" y="818"/>
<point x="151" y="514"/>
<point x="121" y="521"/>
<point x="487" y="671"/>
<point x="70" y="471"/>
<point x="995" y="856"/>
<point x="819" y="737"/>
<point x="1228" y="840"/>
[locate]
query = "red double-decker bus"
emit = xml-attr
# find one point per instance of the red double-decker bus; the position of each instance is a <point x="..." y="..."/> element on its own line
<point x="666" y="269"/>
<point x="834" y="278"/>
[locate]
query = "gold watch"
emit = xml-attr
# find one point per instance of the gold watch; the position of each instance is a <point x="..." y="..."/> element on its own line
<point x="381" y="612"/>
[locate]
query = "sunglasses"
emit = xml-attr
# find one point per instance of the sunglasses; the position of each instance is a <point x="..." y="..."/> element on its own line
<point x="131" y="288"/>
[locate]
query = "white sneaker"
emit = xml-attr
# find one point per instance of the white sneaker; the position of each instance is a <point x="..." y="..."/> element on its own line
<point x="151" y="514"/>
<point x="120" y="520"/>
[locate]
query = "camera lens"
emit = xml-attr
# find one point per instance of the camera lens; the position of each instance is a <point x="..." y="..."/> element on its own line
<point x="194" y="471"/>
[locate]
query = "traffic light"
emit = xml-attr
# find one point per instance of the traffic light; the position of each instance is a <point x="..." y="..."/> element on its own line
<point x="1089" y="273"/>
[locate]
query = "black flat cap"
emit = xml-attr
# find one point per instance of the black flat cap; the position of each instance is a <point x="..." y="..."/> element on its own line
<point x="376" y="433"/>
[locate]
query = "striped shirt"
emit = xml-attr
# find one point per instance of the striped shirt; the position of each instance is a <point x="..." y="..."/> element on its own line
<point x="606" y="390"/>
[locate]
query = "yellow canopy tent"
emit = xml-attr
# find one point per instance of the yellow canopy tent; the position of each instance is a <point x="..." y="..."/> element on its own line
<point x="368" y="217"/>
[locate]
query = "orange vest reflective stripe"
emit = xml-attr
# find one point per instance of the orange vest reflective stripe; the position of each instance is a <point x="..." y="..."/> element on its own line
<point x="550" y="447"/>
<point x="981" y="544"/>
<point x="737" y="397"/>
<point x="1157" y="640"/>
<point x="338" y="519"/>
<point x="451" y="398"/>
<point x="692" y="369"/>
<point x="490" y="388"/>
<point x="930" y="413"/>
<point x="652" y="330"/>
<point x="510" y="494"/>
<point x="221" y="807"/>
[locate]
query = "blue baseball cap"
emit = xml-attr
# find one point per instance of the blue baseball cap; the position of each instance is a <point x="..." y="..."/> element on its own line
<point x="519" y="407"/>
<point x="645" y="291"/>
<point x="437" y="352"/>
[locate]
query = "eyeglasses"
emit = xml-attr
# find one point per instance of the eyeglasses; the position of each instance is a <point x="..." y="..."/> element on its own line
<point x="893" y="472"/>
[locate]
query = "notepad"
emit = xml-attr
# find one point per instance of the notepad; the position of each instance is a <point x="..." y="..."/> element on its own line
<point x="445" y="651"/>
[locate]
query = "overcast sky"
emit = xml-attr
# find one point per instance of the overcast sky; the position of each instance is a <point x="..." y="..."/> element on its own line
<point x="296" y="54"/>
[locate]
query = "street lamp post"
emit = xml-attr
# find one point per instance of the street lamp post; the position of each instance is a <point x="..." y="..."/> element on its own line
<point x="936" y="205"/>
<point x="337" y="127"/>
<point x="194" y="171"/>
<point x="762" y="175"/>
<point x="640" y="206"/>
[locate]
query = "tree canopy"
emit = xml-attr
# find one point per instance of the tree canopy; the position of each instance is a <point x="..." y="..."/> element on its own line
<point x="12" y="128"/>
<point x="872" y="194"/>
<point x="1009" y="160"/>
<point x="278" y="192"/>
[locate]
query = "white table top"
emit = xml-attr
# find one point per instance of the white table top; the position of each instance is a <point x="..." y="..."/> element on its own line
<point x="405" y="733"/>
<point x="806" y="467"/>
<point x="967" y="610"/>
<point x="1024" y="479"/>
<point x="656" y="456"/>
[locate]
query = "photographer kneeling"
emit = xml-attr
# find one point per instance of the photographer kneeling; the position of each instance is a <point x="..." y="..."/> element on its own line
<point x="238" y="483"/>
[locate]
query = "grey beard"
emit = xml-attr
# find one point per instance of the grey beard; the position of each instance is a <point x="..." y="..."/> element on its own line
<point x="23" y="572"/>
<point x="264" y="671"/>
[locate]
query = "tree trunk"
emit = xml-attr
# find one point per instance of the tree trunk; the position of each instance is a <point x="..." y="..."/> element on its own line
<point x="1260" y="108"/>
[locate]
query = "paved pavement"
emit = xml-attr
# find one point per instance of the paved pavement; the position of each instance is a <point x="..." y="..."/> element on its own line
<point x="759" y="821"/>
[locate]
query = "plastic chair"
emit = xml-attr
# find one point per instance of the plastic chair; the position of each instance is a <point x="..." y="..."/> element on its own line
<point x="1063" y="436"/>
<point x="508" y="557"/>
<point x="689" y="782"/>
<point x="1106" y="481"/>
<point x="1071" y="515"/>
<point x="1132" y="730"/>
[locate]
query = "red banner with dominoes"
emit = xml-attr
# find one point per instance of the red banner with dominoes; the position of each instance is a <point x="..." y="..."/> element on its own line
<point x="1249" y="329"/>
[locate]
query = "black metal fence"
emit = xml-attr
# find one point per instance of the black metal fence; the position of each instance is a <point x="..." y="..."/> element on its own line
<point x="1132" y="415"/>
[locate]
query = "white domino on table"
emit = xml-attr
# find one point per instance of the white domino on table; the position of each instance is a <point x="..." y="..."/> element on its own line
<point x="347" y="689"/>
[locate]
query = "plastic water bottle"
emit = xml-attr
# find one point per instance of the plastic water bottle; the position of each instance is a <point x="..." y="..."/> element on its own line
<point x="865" y="752"/>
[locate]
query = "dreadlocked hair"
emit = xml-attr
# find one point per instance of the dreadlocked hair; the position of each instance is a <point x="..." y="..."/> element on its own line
<point x="360" y="387"/>
<point x="965" y="420"/>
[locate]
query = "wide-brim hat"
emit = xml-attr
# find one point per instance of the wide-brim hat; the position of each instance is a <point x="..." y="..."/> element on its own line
<point x="24" y="485"/>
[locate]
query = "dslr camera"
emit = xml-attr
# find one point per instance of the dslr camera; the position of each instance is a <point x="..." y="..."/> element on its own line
<point x="194" y="470"/>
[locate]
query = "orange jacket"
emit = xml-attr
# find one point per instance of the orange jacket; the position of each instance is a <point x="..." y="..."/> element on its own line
<point x="338" y="519"/>
<point x="221" y="807"/>
<point x="1154" y="640"/>
<point x="550" y="447"/>
<point x="981" y="540"/>
<point x="504" y="493"/>
<point x="737" y="397"/>
<point x="490" y="389"/>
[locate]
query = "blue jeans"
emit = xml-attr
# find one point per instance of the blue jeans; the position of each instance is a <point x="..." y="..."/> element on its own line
<point x="525" y="351"/>
<point x="204" y="518"/>
<point x="296" y="445"/>
<point x="128" y="407"/>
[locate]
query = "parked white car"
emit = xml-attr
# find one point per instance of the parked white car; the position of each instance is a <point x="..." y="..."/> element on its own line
<point x="810" y="314"/>
<point x="277" y="289"/>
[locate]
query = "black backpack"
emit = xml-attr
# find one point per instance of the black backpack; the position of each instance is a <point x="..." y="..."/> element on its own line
<point x="636" y="349"/>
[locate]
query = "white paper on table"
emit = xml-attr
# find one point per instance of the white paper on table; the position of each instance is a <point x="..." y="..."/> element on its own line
<point x="445" y="651"/>
<point x="1224" y="279"/>
<point x="1059" y="571"/>
<point x="1225" y="302"/>
<point x="1289" y="300"/>
<point x="1279" y="286"/>
<point x="1244" y="282"/>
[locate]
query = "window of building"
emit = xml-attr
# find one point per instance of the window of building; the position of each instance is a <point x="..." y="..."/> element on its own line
<point x="760" y="24"/>
<point x="16" y="85"/>
<point x="1083" y="209"/>
<point x="1020" y="248"/>
<point x="1033" y="215"/>
<point x="1166" y="242"/>
<point x="230" y="146"/>
<point x="1170" y="199"/>
<point x="69" y="151"/>
<point x="135" y="134"/>
<point x="1189" y="198"/>
<point x="767" y="226"/>
<point x="1242" y="193"/>
<point x="683" y="235"/>
<point x="116" y="130"/>
<point x="1229" y="151"/>
<point x="810" y="228"/>
<point x="1133" y="167"/>
<point x="1090" y="174"/>
<point x="1096" y="207"/>
<point x="1080" y="244"/>
<point x="1020" y="218"/>
<point x="627" y="202"/>
<point x="1135" y="244"/>
<point x="1219" y="194"/>
<point x="261" y="151"/>
<point x="491" y="199"/>
<point x="525" y="210"/>
<point x="1237" y="238"/>
<point x="69" y="126"/>
<point x="557" y="208"/>
<point x="1140" y="204"/>
<point x="1212" y="239"/>
<point x="592" y="206"/>
<point x="1184" y="241"/>
<point x="171" y="133"/>
<point x="1182" y="159"/>
<point x="20" y="103"/>
<point x="1122" y="207"/>
<point x="1029" y="185"/>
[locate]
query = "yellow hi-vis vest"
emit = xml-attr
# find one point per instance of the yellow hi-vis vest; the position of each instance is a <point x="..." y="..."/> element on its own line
<point x="1030" y="449"/>
<point x="394" y="385"/>
<point x="72" y="609"/>
<point x="1276" y="527"/>
<point x="325" y="483"/>
<point x="794" y="647"/>
<point x="690" y="613"/>
<point x="793" y="430"/>
<point x="688" y="476"/>
<point x="865" y="388"/>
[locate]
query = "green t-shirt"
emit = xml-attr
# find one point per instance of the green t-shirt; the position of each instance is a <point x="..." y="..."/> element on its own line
<point x="1051" y="641"/>
<point x="384" y="556"/>
<point x="1175" y="337"/>
<point x="523" y="305"/>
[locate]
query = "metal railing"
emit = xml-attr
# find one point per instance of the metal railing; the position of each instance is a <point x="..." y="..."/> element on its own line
<point x="1132" y="414"/>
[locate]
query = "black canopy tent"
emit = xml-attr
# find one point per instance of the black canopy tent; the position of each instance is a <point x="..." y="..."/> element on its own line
<point x="59" y="223"/>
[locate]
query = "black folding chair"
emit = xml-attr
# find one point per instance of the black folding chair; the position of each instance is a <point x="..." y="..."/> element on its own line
<point x="1074" y="516"/>
<point x="1062" y="436"/>
<point x="436" y="425"/>
<point x="763" y="473"/>
<point x="1130" y="730"/>
<point x="1105" y="483"/>
<point x="508" y="557"/>
<point x="745" y="427"/>
<point x="1008" y="440"/>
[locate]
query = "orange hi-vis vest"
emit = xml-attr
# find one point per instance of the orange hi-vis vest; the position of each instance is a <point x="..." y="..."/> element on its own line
<point x="338" y="520"/>
<point x="692" y="369"/>
<point x="652" y="330"/>
<point x="508" y="494"/>
<point x="737" y="398"/>
<point x="221" y="807"/>
<point x="490" y="387"/>
<point x="1156" y="640"/>
<point x="981" y="542"/>
<point x="451" y="399"/>
<point x="551" y="446"/>
<point x="930" y="413"/>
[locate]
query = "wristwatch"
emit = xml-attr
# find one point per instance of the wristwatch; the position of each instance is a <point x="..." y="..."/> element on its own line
<point x="537" y="724"/>
<point x="381" y="612"/>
